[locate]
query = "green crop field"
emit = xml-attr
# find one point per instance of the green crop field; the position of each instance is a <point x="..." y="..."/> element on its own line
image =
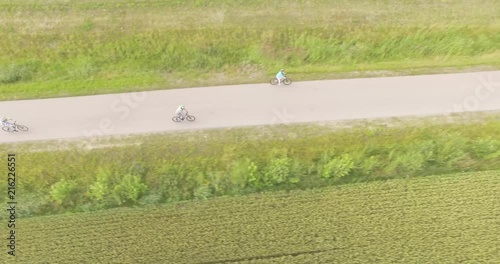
<point x="64" y="48"/>
<point x="439" y="219"/>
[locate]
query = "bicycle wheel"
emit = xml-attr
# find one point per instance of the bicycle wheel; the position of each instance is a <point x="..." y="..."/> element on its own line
<point x="176" y="119"/>
<point x="8" y="129"/>
<point x="273" y="81"/>
<point x="22" y="128"/>
<point x="190" y="118"/>
<point x="287" y="81"/>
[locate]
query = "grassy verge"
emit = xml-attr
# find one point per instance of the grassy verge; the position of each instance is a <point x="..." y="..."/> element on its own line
<point x="200" y="165"/>
<point x="88" y="47"/>
<point x="439" y="219"/>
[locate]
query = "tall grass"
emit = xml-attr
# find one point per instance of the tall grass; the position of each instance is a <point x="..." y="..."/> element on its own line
<point x="200" y="165"/>
<point x="109" y="41"/>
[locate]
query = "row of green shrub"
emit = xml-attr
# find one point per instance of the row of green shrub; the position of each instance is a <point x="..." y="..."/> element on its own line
<point x="171" y="168"/>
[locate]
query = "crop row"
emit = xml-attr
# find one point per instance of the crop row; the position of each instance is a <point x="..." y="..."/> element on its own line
<point x="435" y="219"/>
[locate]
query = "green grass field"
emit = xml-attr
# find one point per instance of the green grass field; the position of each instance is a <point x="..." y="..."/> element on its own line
<point x="65" y="48"/>
<point x="166" y="168"/>
<point x="438" y="219"/>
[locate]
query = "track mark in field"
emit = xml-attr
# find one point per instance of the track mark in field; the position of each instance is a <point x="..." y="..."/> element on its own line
<point x="294" y="254"/>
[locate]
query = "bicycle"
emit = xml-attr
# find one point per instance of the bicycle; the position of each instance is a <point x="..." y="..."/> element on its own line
<point x="286" y="81"/>
<point x="187" y="117"/>
<point x="12" y="127"/>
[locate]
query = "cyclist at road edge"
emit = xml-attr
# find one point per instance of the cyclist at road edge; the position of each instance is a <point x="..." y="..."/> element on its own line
<point x="280" y="76"/>
<point x="6" y="121"/>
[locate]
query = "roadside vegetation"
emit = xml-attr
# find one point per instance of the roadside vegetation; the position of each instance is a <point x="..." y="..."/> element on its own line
<point x="67" y="48"/>
<point x="436" y="219"/>
<point x="407" y="192"/>
<point x="168" y="168"/>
